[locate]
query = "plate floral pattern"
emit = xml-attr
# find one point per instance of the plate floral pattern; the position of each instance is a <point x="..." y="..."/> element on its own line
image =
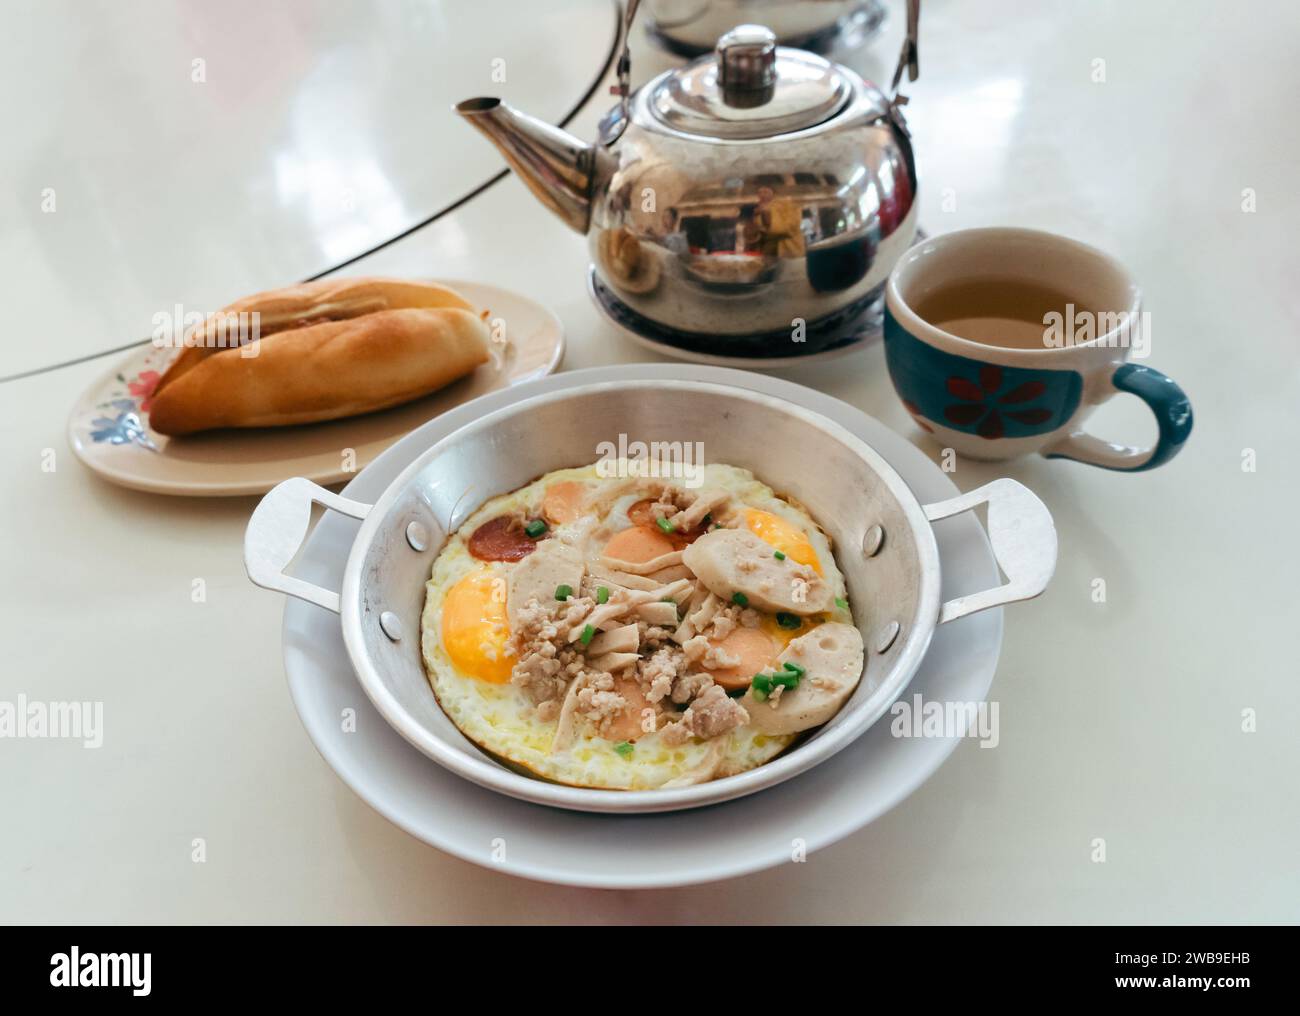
<point x="122" y="412"/>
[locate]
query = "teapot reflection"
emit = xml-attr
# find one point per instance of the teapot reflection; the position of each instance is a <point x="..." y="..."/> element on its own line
<point x="734" y="237"/>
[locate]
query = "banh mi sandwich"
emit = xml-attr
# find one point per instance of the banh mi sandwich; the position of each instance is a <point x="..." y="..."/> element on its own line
<point x="323" y="350"/>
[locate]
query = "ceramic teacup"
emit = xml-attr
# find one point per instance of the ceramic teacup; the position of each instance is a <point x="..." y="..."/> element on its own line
<point x="994" y="396"/>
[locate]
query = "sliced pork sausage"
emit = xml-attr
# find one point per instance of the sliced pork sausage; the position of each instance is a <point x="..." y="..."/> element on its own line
<point x="740" y="568"/>
<point x="549" y="567"/>
<point x="831" y="656"/>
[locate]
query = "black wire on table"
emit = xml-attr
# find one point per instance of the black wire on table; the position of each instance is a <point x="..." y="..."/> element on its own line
<point x="446" y="210"/>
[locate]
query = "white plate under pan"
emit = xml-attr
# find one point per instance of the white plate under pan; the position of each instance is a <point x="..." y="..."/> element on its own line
<point x="815" y="809"/>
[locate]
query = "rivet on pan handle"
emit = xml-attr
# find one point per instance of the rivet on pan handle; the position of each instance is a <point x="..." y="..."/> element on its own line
<point x="276" y="531"/>
<point x="1024" y="542"/>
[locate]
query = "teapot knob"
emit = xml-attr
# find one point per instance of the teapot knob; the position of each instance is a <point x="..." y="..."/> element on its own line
<point x="747" y="65"/>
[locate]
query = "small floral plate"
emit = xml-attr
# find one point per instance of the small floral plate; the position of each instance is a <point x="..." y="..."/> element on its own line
<point x="109" y="426"/>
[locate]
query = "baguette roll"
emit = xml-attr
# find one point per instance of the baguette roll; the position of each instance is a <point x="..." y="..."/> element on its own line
<point x="293" y="307"/>
<point x="324" y="371"/>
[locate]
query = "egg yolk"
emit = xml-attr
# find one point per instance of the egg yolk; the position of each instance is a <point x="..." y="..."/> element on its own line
<point x="784" y="536"/>
<point x="784" y="636"/>
<point x="638" y="544"/>
<point x="475" y="630"/>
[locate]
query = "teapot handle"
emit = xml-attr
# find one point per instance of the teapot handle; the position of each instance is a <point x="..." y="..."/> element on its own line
<point x="624" y="86"/>
<point x="910" y="57"/>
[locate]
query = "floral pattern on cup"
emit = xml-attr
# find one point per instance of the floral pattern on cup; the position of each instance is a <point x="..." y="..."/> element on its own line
<point x="984" y="404"/>
<point x="987" y="400"/>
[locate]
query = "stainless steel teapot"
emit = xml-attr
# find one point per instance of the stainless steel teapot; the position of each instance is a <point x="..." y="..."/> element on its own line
<point x="750" y="203"/>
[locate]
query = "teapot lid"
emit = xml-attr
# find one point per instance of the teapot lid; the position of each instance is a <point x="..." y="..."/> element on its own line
<point x="750" y="88"/>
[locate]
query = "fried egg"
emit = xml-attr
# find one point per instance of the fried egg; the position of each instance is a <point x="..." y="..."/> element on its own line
<point x="469" y="653"/>
<point x="474" y="629"/>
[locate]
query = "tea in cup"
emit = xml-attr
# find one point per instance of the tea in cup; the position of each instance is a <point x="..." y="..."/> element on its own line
<point x="1001" y="342"/>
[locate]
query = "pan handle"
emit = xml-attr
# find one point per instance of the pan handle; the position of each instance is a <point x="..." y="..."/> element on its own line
<point x="276" y="531"/>
<point x="1024" y="543"/>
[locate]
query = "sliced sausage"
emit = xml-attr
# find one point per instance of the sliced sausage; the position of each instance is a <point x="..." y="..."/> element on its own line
<point x="753" y="647"/>
<point x="501" y="539"/>
<point x="659" y="613"/>
<point x="632" y="722"/>
<point x="731" y="561"/>
<point x="625" y="639"/>
<point x="551" y="565"/>
<point x="683" y="532"/>
<point x="832" y="658"/>
<point x="564" y="501"/>
<point x="611" y="662"/>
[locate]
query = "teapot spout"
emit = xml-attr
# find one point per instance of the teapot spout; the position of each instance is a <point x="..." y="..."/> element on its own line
<point x="556" y="166"/>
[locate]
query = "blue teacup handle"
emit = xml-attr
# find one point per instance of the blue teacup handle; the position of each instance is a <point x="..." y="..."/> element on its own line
<point x="1173" y="412"/>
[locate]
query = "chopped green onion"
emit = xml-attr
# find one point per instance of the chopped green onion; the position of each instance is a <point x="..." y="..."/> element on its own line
<point x="624" y="748"/>
<point x="786" y="680"/>
<point x="588" y="633"/>
<point x="535" y="528"/>
<point x="602" y="594"/>
<point x="706" y="520"/>
<point x="788" y="621"/>
<point x="794" y="668"/>
<point x="842" y="603"/>
<point x="740" y="599"/>
<point x="759" y="694"/>
<point x="563" y="591"/>
<point x="666" y="525"/>
<point x="778" y="555"/>
<point x="761" y="683"/>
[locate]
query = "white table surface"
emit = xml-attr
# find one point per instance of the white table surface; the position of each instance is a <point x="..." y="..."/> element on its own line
<point x="1120" y="721"/>
<point x="181" y="152"/>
